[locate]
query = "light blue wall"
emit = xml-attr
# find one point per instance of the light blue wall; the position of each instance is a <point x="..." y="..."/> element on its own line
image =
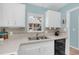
<point x="68" y="7"/>
<point x="35" y="9"/>
<point x="73" y="23"/>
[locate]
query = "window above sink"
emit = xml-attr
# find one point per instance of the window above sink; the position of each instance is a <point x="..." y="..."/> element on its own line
<point x="35" y="22"/>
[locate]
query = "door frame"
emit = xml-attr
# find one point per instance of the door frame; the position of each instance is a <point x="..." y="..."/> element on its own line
<point x="68" y="28"/>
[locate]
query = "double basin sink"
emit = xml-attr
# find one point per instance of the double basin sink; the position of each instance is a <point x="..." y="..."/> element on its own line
<point x="38" y="38"/>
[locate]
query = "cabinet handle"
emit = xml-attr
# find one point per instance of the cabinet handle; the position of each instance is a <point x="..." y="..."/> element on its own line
<point x="8" y="22"/>
<point x="15" y="22"/>
<point x="39" y="49"/>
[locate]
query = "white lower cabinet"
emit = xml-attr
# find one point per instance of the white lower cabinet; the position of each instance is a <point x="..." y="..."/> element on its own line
<point x="33" y="51"/>
<point x="40" y="48"/>
<point x="47" y="48"/>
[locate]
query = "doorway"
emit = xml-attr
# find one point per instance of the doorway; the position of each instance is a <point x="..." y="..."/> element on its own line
<point x="72" y="29"/>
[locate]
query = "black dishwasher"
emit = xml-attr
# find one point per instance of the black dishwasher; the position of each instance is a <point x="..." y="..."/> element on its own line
<point x="59" y="47"/>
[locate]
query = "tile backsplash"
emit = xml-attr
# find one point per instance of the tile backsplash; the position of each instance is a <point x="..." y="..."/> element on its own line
<point x="22" y="30"/>
<point x="14" y="30"/>
<point x="52" y="30"/>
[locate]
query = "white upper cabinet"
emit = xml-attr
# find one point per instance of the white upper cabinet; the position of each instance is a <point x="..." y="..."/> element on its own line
<point x="19" y="15"/>
<point x="13" y="15"/>
<point x="8" y="15"/>
<point x="53" y="19"/>
<point x="1" y="15"/>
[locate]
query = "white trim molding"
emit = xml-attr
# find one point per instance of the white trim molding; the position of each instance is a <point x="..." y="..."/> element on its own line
<point x="78" y="32"/>
<point x="74" y="47"/>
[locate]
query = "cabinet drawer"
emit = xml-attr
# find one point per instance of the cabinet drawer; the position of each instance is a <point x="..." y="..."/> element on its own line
<point x="46" y="50"/>
<point x="30" y="51"/>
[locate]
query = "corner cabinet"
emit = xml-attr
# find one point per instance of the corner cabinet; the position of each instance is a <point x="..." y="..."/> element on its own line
<point x="53" y="19"/>
<point x="13" y="15"/>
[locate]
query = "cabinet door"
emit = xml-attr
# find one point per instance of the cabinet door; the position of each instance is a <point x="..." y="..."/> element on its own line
<point x="19" y="15"/>
<point x="1" y="15"/>
<point x="13" y="15"/>
<point x="8" y="12"/>
<point x="31" y="51"/>
<point x="56" y="21"/>
<point x="47" y="48"/>
<point x="53" y="19"/>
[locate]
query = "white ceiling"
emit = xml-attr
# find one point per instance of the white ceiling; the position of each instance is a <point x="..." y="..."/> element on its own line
<point x="53" y="6"/>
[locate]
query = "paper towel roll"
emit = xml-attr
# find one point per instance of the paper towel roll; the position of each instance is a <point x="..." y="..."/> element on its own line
<point x="11" y="33"/>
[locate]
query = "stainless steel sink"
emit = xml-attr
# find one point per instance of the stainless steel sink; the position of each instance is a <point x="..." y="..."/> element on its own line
<point x="37" y="38"/>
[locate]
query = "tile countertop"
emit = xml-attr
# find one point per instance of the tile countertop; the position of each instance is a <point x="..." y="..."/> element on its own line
<point x="10" y="46"/>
